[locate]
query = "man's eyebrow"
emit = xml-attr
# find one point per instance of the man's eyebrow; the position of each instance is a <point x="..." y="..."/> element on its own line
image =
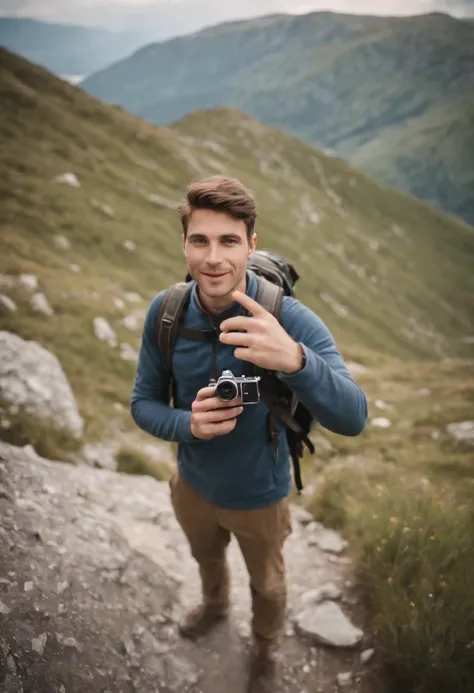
<point x="230" y="235"/>
<point x="234" y="236"/>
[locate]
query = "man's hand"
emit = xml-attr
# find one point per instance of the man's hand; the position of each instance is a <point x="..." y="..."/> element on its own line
<point x="210" y="417"/>
<point x="267" y="343"/>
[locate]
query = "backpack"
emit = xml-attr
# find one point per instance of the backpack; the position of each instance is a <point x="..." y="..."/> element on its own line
<point x="276" y="278"/>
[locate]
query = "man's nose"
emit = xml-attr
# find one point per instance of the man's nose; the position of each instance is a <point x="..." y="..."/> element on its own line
<point x="213" y="255"/>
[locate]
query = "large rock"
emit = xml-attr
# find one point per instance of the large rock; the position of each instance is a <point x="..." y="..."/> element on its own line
<point x="95" y="572"/>
<point x="327" y="624"/>
<point x="32" y="379"/>
<point x="81" y="609"/>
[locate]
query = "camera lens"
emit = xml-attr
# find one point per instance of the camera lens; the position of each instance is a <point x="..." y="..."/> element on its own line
<point x="226" y="391"/>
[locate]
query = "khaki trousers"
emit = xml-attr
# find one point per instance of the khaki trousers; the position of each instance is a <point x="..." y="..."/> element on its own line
<point x="260" y="532"/>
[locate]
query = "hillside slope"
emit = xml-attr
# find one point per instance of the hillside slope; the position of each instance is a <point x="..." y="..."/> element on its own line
<point x="391" y="276"/>
<point x="339" y="81"/>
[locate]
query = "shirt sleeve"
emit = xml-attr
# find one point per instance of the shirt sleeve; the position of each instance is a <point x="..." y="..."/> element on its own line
<point x="149" y="401"/>
<point x="324" y="384"/>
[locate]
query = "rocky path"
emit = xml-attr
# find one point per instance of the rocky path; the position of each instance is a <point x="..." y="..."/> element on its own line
<point x="95" y="573"/>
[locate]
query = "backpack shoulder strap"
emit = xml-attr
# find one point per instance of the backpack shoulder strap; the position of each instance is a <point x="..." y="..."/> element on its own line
<point x="269" y="296"/>
<point x="281" y="407"/>
<point x="171" y="311"/>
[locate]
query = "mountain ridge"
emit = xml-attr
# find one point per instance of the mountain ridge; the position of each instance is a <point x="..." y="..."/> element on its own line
<point x="308" y="74"/>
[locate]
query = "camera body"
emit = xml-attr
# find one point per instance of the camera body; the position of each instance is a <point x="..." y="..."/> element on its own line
<point x="230" y="387"/>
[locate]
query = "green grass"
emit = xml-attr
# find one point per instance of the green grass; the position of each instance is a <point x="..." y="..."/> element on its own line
<point x="403" y="497"/>
<point x="367" y="87"/>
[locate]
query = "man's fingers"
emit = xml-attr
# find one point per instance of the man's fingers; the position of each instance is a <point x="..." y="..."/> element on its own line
<point x="205" y="393"/>
<point x="236" y="338"/>
<point x="214" y="403"/>
<point x="219" y="429"/>
<point x="249" y="303"/>
<point x="239" y="322"/>
<point x="220" y="414"/>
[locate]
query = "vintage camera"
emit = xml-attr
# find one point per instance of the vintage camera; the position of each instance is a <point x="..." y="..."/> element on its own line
<point x="230" y="387"/>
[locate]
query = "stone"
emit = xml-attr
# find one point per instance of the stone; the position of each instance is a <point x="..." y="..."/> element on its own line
<point x="62" y="242"/>
<point x="130" y="322"/>
<point x="4" y="609"/>
<point x="119" y="303"/>
<point x="129" y="245"/>
<point x="69" y="179"/>
<point x="132" y="297"/>
<point x="320" y="594"/>
<point x="40" y="304"/>
<point x="38" y="644"/>
<point x="301" y="515"/>
<point x="107" y="572"/>
<point x="326" y="624"/>
<point x="104" y="331"/>
<point x="381" y="422"/>
<point x="462" y="431"/>
<point x="344" y="679"/>
<point x="29" y="281"/>
<point x="32" y="379"/>
<point x="104" y="208"/>
<point x="328" y="540"/>
<point x="8" y="302"/>
<point x="75" y="268"/>
<point x="128" y="353"/>
<point x="366" y="655"/>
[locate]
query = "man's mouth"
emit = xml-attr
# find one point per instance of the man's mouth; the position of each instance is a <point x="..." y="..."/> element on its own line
<point x="214" y="275"/>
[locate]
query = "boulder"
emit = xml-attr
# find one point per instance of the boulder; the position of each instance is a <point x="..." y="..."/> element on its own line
<point x="462" y="431"/>
<point x="93" y="614"/>
<point x="32" y="379"/>
<point x="327" y="624"/>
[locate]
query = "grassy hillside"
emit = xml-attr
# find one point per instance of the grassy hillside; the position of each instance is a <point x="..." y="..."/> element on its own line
<point x="349" y="83"/>
<point x="391" y="276"/>
<point x="387" y="273"/>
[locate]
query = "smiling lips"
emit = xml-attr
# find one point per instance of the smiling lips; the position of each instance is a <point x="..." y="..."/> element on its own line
<point x="214" y="276"/>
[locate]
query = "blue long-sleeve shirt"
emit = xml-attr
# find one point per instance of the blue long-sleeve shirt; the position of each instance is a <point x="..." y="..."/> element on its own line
<point x="241" y="469"/>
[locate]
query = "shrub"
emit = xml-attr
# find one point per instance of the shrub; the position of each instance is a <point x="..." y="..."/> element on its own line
<point x="414" y="551"/>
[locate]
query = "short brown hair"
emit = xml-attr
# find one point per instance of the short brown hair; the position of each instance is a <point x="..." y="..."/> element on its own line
<point x="220" y="194"/>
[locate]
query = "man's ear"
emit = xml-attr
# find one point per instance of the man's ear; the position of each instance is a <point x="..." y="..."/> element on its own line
<point x="253" y="244"/>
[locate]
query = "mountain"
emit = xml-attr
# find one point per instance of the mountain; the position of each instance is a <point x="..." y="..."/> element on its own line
<point x="390" y="275"/>
<point x="66" y="49"/>
<point x="362" y="86"/>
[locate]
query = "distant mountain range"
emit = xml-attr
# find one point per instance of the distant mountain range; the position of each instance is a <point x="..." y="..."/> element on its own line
<point x="67" y="49"/>
<point x="394" y="96"/>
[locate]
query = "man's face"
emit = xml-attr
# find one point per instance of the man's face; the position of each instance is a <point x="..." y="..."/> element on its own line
<point x="217" y="250"/>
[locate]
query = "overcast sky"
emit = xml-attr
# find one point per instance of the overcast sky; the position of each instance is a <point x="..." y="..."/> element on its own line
<point x="89" y="10"/>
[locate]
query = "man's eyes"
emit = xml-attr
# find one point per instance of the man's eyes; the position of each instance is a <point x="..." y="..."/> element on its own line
<point x="202" y="241"/>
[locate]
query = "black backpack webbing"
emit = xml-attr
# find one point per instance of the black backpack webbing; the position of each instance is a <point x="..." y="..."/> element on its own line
<point x="274" y="393"/>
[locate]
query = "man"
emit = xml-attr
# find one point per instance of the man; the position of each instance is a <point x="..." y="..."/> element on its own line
<point x="230" y="480"/>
